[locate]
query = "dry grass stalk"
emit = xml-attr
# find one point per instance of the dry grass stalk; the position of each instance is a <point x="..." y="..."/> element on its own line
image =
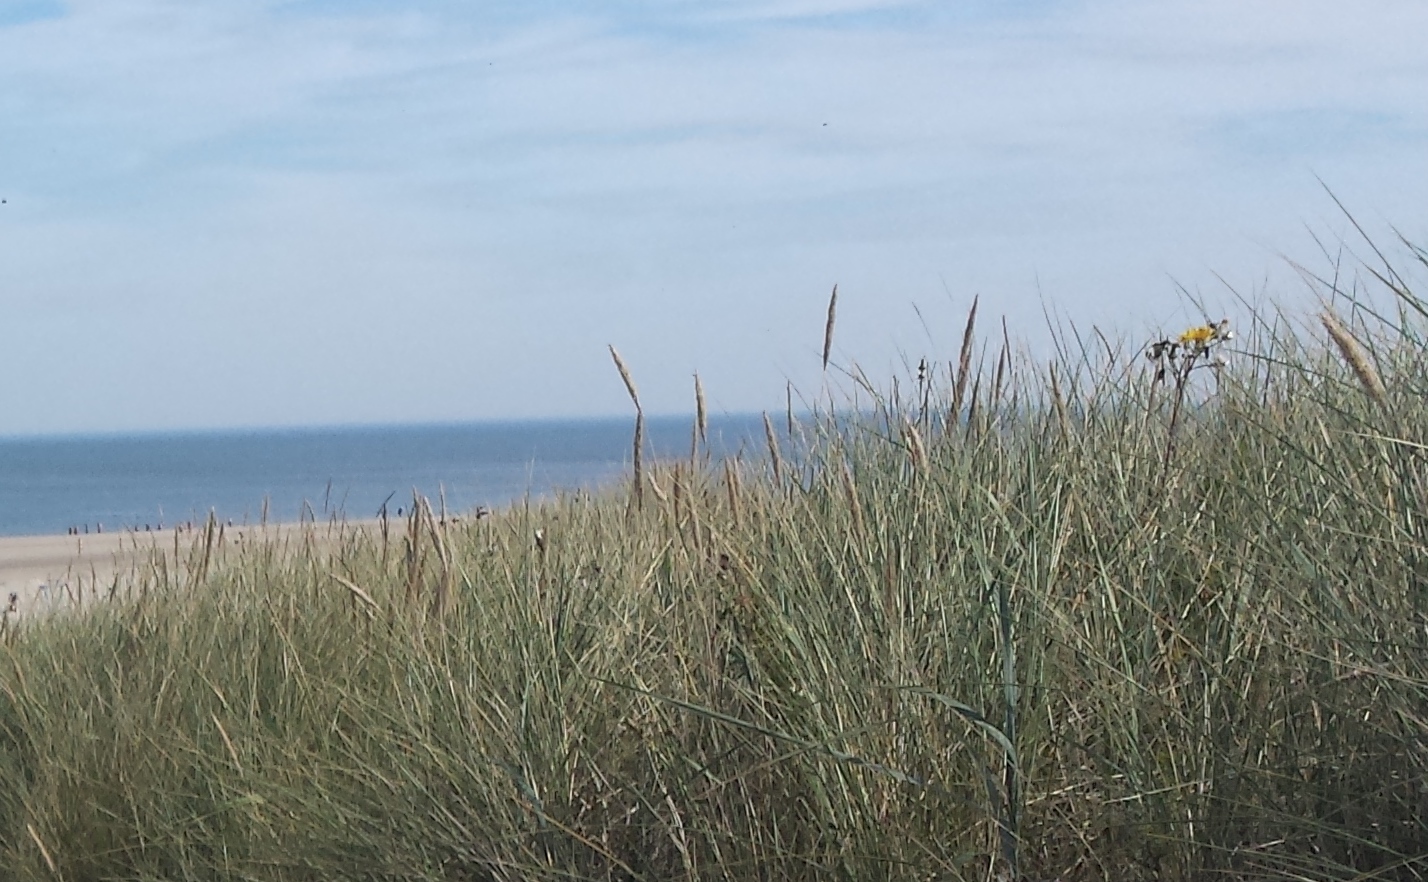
<point x="1060" y="403"/>
<point x="1003" y="362"/>
<point x="788" y="405"/>
<point x="924" y="386"/>
<point x="828" y="328"/>
<point x="772" y="440"/>
<point x="694" y="497"/>
<point x="655" y="488"/>
<point x="638" y="498"/>
<point x="210" y="539"/>
<point x="676" y="490"/>
<point x="384" y="522"/>
<point x="731" y="483"/>
<point x="637" y="493"/>
<point x="964" y="362"/>
<point x="227" y="742"/>
<point x="1354" y="355"/>
<point x="973" y="406"/>
<point x="997" y="378"/>
<point x="915" y="446"/>
<point x="356" y="590"/>
<point x="44" y="852"/>
<point x="701" y="423"/>
<point x="851" y="488"/>
<point x="625" y="375"/>
<point x="415" y="556"/>
<point x="443" y="555"/>
<point x="689" y="491"/>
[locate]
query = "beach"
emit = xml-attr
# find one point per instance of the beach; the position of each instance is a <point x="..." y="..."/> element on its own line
<point x="40" y="572"/>
<point x="46" y="573"/>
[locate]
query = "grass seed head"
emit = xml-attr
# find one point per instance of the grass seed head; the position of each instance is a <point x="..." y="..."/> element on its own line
<point x="772" y="438"/>
<point x="1354" y="355"/>
<point x="625" y="375"/>
<point x="964" y="361"/>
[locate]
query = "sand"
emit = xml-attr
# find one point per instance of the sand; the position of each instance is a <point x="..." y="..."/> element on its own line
<point x="40" y="573"/>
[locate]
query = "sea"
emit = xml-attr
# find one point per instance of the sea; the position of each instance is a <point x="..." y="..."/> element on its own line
<point x="158" y="481"/>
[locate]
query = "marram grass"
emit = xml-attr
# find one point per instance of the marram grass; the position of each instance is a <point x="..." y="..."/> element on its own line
<point x="1083" y="625"/>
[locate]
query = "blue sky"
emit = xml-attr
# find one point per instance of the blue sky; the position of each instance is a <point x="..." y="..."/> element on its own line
<point x="223" y="213"/>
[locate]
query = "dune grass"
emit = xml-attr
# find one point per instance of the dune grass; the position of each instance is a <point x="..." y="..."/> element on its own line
<point x="1060" y="622"/>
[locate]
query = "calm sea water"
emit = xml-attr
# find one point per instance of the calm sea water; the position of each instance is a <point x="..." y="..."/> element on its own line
<point x="48" y="485"/>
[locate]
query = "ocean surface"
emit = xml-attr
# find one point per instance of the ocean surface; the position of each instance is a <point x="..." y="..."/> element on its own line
<point x="49" y="485"/>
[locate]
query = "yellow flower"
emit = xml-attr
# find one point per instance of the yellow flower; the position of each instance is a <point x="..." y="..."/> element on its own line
<point x="1198" y="338"/>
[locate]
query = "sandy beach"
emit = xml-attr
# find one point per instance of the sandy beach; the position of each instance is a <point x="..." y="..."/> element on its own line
<point x="39" y="573"/>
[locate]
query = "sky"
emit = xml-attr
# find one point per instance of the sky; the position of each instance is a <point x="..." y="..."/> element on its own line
<point x="245" y="213"/>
